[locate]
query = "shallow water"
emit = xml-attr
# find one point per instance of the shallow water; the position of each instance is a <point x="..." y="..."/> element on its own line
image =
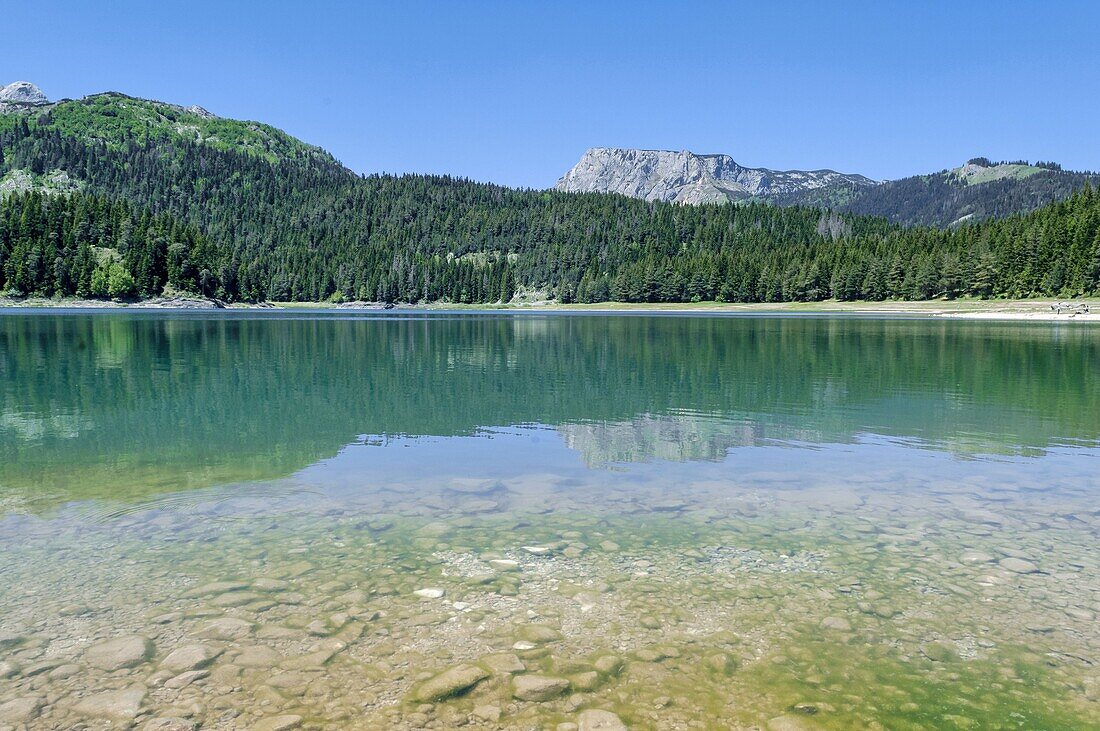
<point x="691" y="522"/>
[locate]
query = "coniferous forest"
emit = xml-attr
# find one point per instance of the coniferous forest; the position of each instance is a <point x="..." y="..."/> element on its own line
<point x="268" y="218"/>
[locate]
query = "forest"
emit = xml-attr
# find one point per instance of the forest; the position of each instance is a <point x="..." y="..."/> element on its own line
<point x="148" y="213"/>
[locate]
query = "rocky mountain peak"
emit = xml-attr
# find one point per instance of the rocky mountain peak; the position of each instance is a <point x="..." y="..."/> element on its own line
<point x="22" y="92"/>
<point x="686" y="177"/>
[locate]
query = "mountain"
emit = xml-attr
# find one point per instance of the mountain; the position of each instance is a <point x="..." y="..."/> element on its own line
<point x="976" y="191"/>
<point x="112" y="196"/>
<point x="684" y="177"/>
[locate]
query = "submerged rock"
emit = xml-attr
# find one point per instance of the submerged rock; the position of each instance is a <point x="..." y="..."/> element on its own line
<point x="226" y="628"/>
<point x="119" y="653"/>
<point x="538" y="633"/>
<point x="836" y="623"/>
<point x="216" y="587"/>
<point x="9" y="639"/>
<point x="595" y="719"/>
<point x="721" y="662"/>
<point x="116" y="705"/>
<point x="487" y="713"/>
<point x="258" y="656"/>
<point x="454" y="681"/>
<point x="189" y="657"/>
<point x="170" y="723"/>
<point x="538" y="687"/>
<point x="278" y="723"/>
<point x="792" y="723"/>
<point x="585" y="681"/>
<point x="608" y="664"/>
<point x="474" y="486"/>
<point x="940" y="652"/>
<point x="1018" y="565"/>
<point x="430" y="593"/>
<point x="185" y="679"/>
<point x="503" y="662"/>
<point x="20" y="710"/>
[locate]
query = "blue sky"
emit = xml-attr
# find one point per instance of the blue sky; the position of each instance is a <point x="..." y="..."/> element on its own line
<point x="514" y="92"/>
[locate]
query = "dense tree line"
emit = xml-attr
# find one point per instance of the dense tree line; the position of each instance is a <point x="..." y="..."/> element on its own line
<point x="88" y="246"/>
<point x="177" y="212"/>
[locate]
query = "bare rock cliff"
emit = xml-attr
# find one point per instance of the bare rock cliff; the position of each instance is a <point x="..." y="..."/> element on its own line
<point x="684" y="177"/>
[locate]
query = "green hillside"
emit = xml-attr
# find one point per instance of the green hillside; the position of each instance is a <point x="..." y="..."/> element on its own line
<point x="119" y="120"/>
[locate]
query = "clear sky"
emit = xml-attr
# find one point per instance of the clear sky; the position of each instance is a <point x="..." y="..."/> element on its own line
<point x="514" y="92"/>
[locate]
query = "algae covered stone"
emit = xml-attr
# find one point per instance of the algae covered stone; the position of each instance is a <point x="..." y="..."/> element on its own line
<point x="609" y="664"/>
<point x="451" y="682"/>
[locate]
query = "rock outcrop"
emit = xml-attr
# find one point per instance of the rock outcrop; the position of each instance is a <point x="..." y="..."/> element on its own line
<point x="684" y="177"/>
<point x="22" y="92"/>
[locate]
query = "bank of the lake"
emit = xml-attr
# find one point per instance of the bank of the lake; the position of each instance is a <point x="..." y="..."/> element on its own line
<point x="1039" y="310"/>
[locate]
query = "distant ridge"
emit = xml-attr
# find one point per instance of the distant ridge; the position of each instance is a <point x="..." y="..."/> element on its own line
<point x="975" y="191"/>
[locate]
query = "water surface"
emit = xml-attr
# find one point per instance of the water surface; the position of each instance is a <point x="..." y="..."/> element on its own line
<point x="777" y="522"/>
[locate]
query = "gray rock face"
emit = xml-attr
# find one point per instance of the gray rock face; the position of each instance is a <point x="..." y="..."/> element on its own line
<point x="684" y="177"/>
<point x="22" y="92"/>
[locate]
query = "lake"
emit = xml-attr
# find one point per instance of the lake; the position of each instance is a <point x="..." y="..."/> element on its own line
<point x="256" y="520"/>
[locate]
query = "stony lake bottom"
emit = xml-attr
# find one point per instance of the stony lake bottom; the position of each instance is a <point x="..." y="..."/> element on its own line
<point x="326" y="521"/>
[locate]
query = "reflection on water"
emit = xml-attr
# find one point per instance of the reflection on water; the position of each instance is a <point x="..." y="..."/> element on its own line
<point x="95" y="405"/>
<point x="235" y="522"/>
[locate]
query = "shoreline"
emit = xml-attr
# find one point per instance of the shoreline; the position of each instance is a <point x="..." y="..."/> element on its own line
<point x="1033" y="310"/>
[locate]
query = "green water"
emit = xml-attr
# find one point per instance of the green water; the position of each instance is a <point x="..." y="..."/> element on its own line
<point x="769" y="522"/>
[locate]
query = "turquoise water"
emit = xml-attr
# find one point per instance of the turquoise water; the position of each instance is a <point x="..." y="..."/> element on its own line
<point x="778" y="522"/>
